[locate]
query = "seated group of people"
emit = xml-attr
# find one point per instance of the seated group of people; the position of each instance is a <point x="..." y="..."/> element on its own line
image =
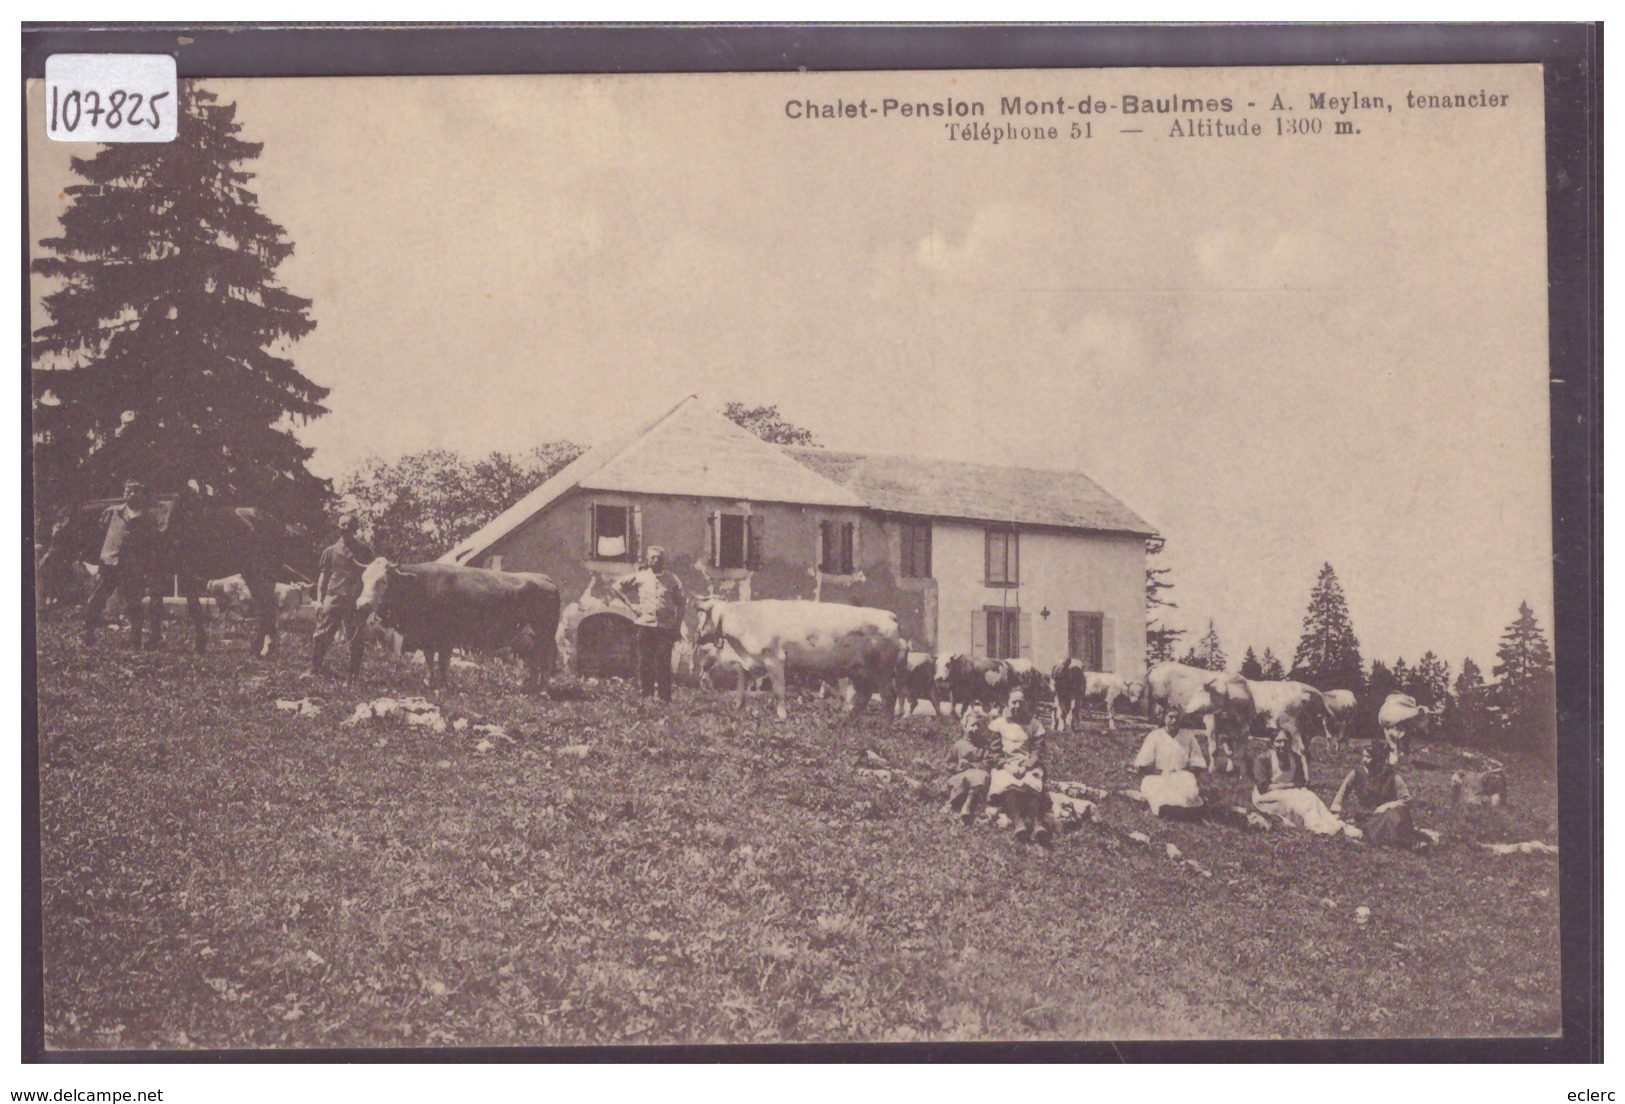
<point x="1170" y="762"/>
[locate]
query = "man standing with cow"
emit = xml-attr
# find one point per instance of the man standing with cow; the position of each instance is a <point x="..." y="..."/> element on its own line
<point x="338" y="585"/>
<point x="128" y="558"/>
<point x="657" y="596"/>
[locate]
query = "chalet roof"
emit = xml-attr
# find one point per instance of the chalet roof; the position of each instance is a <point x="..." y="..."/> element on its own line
<point x="693" y="450"/>
<point x="975" y="492"/>
<point x="688" y="450"/>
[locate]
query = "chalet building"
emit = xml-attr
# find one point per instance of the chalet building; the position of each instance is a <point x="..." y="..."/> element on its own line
<point x="974" y="558"/>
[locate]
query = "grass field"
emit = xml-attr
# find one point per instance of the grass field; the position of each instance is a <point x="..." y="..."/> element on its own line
<point x="218" y="874"/>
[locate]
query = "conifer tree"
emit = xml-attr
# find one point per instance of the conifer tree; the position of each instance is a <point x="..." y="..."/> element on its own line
<point x="1430" y="680"/>
<point x="1209" y="651"/>
<point x="1468" y="720"/>
<point x="164" y="357"/>
<point x="1251" y="667"/>
<point x="1159" y="638"/>
<point x="1272" y="667"/>
<point x="1328" y="655"/>
<point x="1526" y="685"/>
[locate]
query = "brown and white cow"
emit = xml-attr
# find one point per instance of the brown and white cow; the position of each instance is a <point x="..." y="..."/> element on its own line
<point x="437" y="607"/>
<point x="231" y="595"/>
<point x="920" y="683"/>
<point x="973" y="680"/>
<point x="1076" y="687"/>
<point x="827" y="640"/>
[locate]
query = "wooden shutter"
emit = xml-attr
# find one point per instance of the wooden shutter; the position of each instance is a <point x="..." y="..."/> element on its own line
<point x="1108" y="644"/>
<point x="978" y="632"/>
<point x="713" y="529"/>
<point x="753" y="541"/>
<point x="825" y="542"/>
<point x="987" y="555"/>
<point x="923" y="550"/>
<point x="1014" y="561"/>
<point x="849" y="547"/>
<point x="592" y="531"/>
<point x="634" y="534"/>
<point x="1024" y="635"/>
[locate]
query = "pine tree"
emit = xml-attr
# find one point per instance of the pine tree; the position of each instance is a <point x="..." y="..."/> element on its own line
<point x="1404" y="681"/>
<point x="1430" y="680"/>
<point x="1251" y="668"/>
<point x="1209" y="651"/>
<point x="1272" y="667"/>
<point x="163" y="359"/>
<point x="1159" y="638"/>
<point x="1328" y="655"/>
<point x="1467" y="721"/>
<point x="1526" y="686"/>
<point x="1381" y="683"/>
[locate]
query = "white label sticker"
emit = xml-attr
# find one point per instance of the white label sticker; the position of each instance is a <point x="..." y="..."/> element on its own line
<point x="110" y="97"/>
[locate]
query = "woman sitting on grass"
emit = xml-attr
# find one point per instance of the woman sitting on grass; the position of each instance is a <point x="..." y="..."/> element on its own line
<point x="1377" y="788"/>
<point x="1017" y="785"/>
<point x="1168" y="764"/>
<point x="1280" y="790"/>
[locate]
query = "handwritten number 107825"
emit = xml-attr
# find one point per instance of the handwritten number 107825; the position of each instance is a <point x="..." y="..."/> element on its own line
<point x="121" y="108"/>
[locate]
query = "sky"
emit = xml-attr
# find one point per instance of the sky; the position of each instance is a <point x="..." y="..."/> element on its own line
<point x="1279" y="350"/>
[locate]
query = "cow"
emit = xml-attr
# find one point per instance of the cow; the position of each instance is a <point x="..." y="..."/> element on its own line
<point x="920" y="683"/>
<point x="1024" y="674"/>
<point x="1076" y="687"/>
<point x="290" y="597"/>
<point x="437" y="607"/>
<point x="828" y="640"/>
<point x="1486" y="787"/>
<point x="973" y="680"/>
<point x="231" y="595"/>
<point x="719" y="668"/>
<point x="1400" y="717"/>
<point x="1173" y="686"/>
<point x="1295" y="708"/>
<point x="1340" y="704"/>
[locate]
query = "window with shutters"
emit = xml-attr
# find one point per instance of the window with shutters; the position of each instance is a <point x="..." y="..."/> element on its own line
<point x="613" y="534"/>
<point x="836" y="553"/>
<point x="1086" y="639"/>
<point x="734" y="541"/>
<point x="1003" y="632"/>
<point x="1003" y="558"/>
<point x="914" y="549"/>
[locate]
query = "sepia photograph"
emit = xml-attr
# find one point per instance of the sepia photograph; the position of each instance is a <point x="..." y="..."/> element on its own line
<point x="958" y="556"/>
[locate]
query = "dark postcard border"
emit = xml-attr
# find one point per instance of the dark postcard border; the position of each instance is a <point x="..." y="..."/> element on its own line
<point x="1572" y="56"/>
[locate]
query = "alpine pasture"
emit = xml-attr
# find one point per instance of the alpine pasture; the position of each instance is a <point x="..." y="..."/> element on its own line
<point x="220" y="874"/>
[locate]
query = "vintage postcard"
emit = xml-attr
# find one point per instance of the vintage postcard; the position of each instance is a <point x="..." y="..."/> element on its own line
<point x="968" y="555"/>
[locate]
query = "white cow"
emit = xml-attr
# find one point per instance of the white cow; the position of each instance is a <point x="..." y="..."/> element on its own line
<point x="1295" y="708"/>
<point x="1341" y="704"/>
<point x="825" y="639"/>
<point x="1400" y="717"/>
<point x="1174" y="686"/>
<point x="1105" y="688"/>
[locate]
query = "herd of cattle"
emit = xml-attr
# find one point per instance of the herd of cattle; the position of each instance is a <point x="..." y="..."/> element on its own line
<point x="435" y="608"/>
